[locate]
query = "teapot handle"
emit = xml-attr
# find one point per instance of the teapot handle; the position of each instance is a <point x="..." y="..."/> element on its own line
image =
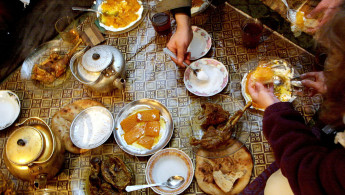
<point x="50" y="131"/>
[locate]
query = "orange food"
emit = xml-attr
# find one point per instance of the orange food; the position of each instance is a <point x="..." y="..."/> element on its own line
<point x="134" y="134"/>
<point x="263" y="74"/>
<point x="119" y="13"/>
<point x="128" y="123"/>
<point x="148" y="115"/>
<point x="152" y="128"/>
<point x="300" y="19"/>
<point x="146" y="141"/>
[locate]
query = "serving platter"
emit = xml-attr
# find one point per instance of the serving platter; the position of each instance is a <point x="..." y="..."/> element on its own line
<point x="134" y="106"/>
<point x="195" y="10"/>
<point x="42" y="53"/>
<point x="132" y="26"/>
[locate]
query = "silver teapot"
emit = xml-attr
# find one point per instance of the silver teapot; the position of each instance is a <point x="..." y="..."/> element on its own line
<point x="102" y="68"/>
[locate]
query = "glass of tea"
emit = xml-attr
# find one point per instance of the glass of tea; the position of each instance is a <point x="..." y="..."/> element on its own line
<point x="67" y="28"/>
<point x="160" y="21"/>
<point x="252" y="30"/>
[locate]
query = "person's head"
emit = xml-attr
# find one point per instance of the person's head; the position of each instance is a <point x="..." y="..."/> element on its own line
<point x="332" y="36"/>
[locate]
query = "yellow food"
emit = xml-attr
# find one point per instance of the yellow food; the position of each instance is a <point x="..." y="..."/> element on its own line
<point x="119" y="13"/>
<point x="142" y="129"/>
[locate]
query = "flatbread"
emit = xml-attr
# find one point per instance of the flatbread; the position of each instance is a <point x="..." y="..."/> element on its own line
<point x="213" y="175"/>
<point x="62" y="120"/>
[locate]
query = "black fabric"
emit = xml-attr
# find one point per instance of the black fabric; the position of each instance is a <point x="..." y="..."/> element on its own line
<point x="185" y="10"/>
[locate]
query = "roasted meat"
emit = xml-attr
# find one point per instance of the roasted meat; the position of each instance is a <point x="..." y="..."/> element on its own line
<point x="53" y="67"/>
<point x="214" y="114"/>
<point x="115" y="172"/>
<point x="218" y="135"/>
<point x="108" y="177"/>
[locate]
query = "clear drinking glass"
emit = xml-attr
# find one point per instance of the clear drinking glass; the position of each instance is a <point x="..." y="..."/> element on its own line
<point x="67" y="28"/>
<point x="252" y="30"/>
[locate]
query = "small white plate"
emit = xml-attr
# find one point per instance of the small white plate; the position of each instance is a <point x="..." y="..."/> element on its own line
<point x="166" y="163"/>
<point x="8" y="101"/>
<point x="215" y="70"/>
<point x="200" y="44"/>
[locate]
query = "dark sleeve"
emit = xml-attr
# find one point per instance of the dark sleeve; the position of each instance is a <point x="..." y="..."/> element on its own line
<point x="185" y="10"/>
<point x="310" y="167"/>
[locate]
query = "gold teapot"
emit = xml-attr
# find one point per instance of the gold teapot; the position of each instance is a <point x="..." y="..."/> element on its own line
<point x="33" y="153"/>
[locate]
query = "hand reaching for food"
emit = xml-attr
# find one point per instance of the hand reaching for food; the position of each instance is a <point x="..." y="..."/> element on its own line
<point x="314" y="81"/>
<point x="261" y="94"/>
<point x="328" y="8"/>
<point x="181" y="39"/>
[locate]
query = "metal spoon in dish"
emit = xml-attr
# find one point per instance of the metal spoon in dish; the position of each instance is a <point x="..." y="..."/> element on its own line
<point x="199" y="73"/>
<point x="86" y="9"/>
<point x="173" y="182"/>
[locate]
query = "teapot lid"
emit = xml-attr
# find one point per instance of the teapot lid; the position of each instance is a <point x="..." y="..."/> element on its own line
<point x="97" y="58"/>
<point x="24" y="145"/>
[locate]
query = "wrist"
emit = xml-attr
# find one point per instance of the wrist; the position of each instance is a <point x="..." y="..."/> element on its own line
<point x="182" y="21"/>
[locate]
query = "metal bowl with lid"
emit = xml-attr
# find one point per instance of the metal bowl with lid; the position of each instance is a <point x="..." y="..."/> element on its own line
<point x="101" y="68"/>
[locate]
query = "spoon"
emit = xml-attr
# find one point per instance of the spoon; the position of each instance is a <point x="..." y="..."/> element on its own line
<point x="86" y="9"/>
<point x="291" y="13"/>
<point x="201" y="75"/>
<point x="173" y="182"/>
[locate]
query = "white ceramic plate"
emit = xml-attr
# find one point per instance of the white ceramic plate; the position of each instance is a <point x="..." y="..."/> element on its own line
<point x="166" y="163"/>
<point x="8" y="101"/>
<point x="140" y="105"/>
<point x="200" y="44"/>
<point x="217" y="73"/>
<point x="111" y="30"/>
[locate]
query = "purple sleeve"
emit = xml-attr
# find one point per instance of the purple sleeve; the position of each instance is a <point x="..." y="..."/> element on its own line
<point x="310" y="167"/>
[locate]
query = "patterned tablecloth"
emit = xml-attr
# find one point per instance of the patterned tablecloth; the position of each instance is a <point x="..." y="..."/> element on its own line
<point x="151" y="74"/>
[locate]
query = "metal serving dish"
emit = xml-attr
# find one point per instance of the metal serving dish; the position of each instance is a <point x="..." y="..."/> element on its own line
<point x="139" y="105"/>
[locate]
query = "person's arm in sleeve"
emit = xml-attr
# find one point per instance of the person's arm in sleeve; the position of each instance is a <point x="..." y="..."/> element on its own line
<point x="181" y="39"/>
<point x="311" y="168"/>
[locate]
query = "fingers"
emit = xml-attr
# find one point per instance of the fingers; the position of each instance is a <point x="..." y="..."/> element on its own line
<point x="319" y="8"/>
<point x="309" y="74"/>
<point x="181" y="53"/>
<point x="310" y="84"/>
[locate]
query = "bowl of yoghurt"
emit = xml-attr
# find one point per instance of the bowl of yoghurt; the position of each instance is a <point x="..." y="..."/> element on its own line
<point x="217" y="77"/>
<point x="9" y="108"/>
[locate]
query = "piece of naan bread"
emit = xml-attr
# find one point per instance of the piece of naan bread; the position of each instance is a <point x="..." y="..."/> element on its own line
<point x="228" y="175"/>
<point x="62" y="120"/>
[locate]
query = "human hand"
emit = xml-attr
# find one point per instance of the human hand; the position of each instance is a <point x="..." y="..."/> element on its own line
<point x="328" y="8"/>
<point x="181" y="39"/>
<point x="314" y="81"/>
<point x="262" y="95"/>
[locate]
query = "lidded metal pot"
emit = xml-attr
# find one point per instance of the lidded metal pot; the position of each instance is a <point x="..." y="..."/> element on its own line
<point x="33" y="153"/>
<point x="102" y="68"/>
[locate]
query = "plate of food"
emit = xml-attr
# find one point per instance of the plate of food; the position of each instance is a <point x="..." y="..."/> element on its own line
<point x="200" y="44"/>
<point x="217" y="125"/>
<point x="119" y="16"/>
<point x="226" y="175"/>
<point x="199" y="6"/>
<point x="143" y="127"/>
<point x="47" y="66"/>
<point x="265" y="70"/>
<point x="166" y="163"/>
<point x="104" y="180"/>
<point x="217" y="77"/>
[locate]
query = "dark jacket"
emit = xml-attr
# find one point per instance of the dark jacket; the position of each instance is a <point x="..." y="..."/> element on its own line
<point x="311" y="166"/>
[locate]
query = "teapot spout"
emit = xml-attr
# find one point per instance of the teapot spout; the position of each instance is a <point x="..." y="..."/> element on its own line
<point x="119" y="83"/>
<point x="40" y="181"/>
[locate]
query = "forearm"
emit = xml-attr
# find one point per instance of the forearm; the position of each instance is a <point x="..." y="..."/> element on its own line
<point x="183" y="21"/>
<point x="308" y="165"/>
